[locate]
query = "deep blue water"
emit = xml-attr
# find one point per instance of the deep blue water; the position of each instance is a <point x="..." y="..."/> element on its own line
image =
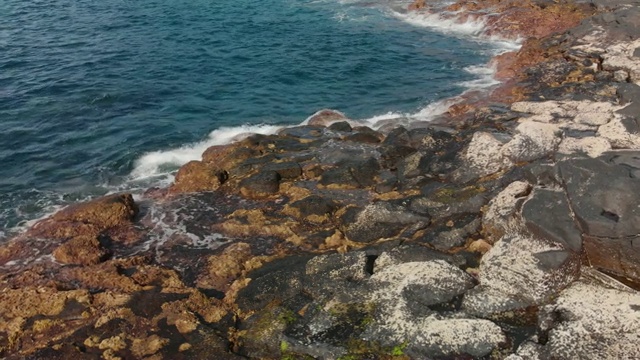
<point x="88" y="87"/>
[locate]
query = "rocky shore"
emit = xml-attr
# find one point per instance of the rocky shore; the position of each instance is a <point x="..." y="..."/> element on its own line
<point x="508" y="228"/>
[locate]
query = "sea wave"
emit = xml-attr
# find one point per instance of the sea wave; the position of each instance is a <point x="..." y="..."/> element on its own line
<point x="162" y="163"/>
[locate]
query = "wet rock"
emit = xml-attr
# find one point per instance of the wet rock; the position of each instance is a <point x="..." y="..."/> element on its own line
<point x="588" y="320"/>
<point x="313" y="208"/>
<point x="278" y="281"/>
<point x="81" y="250"/>
<point x="520" y="271"/>
<point x="303" y="133"/>
<point x="547" y="214"/>
<point x="105" y="212"/>
<point x="224" y="268"/>
<point x="351" y="173"/>
<point x="198" y="176"/>
<point x="378" y="221"/>
<point x="260" y="185"/>
<point x="286" y="170"/>
<point x="326" y="117"/>
<point x="367" y="137"/>
<point x="395" y="146"/>
<point x="341" y="126"/>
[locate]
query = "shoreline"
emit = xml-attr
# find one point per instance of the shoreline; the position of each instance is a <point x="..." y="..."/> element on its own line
<point x="501" y="232"/>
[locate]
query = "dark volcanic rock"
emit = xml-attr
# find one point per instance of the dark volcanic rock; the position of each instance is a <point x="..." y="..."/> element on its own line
<point x="262" y="184"/>
<point x="603" y="196"/>
<point x="547" y="215"/>
<point x="286" y="170"/>
<point x="379" y="220"/>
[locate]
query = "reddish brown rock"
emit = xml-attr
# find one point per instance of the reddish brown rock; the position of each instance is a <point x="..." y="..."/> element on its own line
<point x="326" y="117"/>
<point x="198" y="176"/>
<point x="417" y="4"/>
<point x="104" y="212"/>
<point x="81" y="250"/>
<point x="224" y="268"/>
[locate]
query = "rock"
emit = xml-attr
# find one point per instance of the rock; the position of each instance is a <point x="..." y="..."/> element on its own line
<point x="484" y="154"/>
<point x="618" y="135"/>
<point x="341" y="126"/>
<point x="352" y="173"/>
<point x="336" y="274"/>
<point x="313" y="208"/>
<point x="197" y="176"/>
<point x="395" y="146"/>
<point x="502" y="208"/>
<point x="591" y="146"/>
<point x="518" y="272"/>
<point x="260" y="185"/>
<point x="286" y="170"/>
<point x="588" y="320"/>
<point x="409" y="252"/>
<point x="547" y="215"/>
<point x="533" y="141"/>
<point x="81" y="250"/>
<point x="378" y="221"/>
<point x="224" y="268"/>
<point x="417" y="4"/>
<point x="105" y="212"/>
<point x="455" y="235"/>
<point x="326" y="117"/>
<point x="603" y="196"/>
<point x="427" y="335"/>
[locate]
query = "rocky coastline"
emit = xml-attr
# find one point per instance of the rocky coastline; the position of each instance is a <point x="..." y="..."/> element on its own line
<point x="508" y="228"/>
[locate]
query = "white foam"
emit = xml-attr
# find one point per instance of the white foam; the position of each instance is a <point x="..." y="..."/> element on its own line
<point x="485" y="77"/>
<point x="427" y="113"/>
<point x="452" y="26"/>
<point x="472" y="28"/>
<point x="164" y="162"/>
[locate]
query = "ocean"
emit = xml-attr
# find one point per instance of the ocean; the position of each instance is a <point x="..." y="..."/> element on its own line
<point x="114" y="95"/>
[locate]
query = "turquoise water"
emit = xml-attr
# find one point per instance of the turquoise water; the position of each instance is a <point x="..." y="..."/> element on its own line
<point x="92" y="92"/>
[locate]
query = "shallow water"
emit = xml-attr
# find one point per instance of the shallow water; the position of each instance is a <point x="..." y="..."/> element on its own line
<point x="100" y="96"/>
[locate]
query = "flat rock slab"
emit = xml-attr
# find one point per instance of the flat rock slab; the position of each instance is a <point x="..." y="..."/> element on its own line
<point x="547" y="215"/>
<point x="604" y="196"/>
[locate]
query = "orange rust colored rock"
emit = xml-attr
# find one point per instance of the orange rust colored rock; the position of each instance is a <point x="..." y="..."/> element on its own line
<point x="104" y="212"/>
<point x="197" y="176"/>
<point x="325" y="117"/>
<point x="226" y="267"/>
<point x="81" y="250"/>
<point x="417" y="4"/>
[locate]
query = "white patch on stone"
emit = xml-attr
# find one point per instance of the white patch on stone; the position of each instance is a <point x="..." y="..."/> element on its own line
<point x="432" y="333"/>
<point x="502" y="207"/>
<point x="484" y="154"/>
<point x="581" y="112"/>
<point x="596" y="323"/>
<point x="618" y="136"/>
<point x="592" y="146"/>
<point x="533" y="141"/>
<point x="619" y="56"/>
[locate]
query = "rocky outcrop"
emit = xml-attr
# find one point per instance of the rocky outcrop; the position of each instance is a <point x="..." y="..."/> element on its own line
<point x="508" y="230"/>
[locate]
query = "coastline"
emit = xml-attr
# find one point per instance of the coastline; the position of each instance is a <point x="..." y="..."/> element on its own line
<point x="502" y="230"/>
